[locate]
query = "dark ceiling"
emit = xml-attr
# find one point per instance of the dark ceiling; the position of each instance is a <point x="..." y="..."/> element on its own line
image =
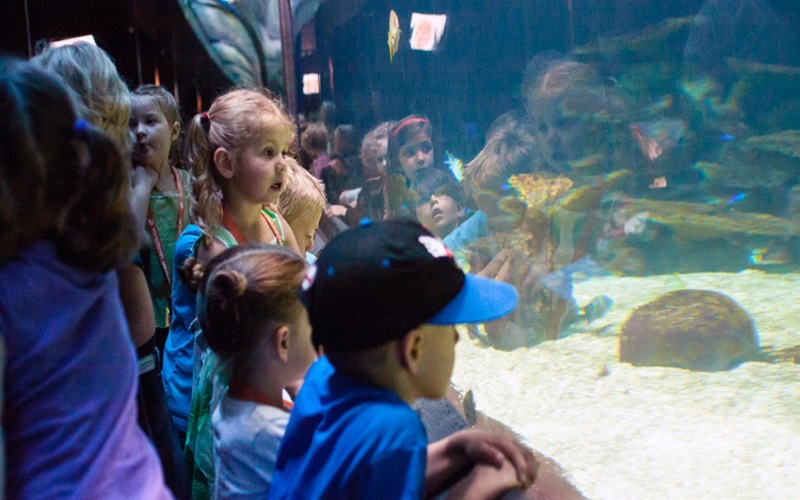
<point x="166" y="43"/>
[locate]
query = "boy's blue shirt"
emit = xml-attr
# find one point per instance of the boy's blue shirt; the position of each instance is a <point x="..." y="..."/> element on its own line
<point x="459" y="240"/>
<point x="469" y="231"/>
<point x="348" y="439"/>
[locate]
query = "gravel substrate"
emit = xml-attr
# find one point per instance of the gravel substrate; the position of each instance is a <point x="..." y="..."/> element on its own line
<point x="650" y="432"/>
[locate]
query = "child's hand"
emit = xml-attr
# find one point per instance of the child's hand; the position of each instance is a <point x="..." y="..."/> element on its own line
<point x="508" y="266"/>
<point x="487" y="448"/>
<point x="144" y="178"/>
<point x="486" y="481"/>
<point x="336" y="211"/>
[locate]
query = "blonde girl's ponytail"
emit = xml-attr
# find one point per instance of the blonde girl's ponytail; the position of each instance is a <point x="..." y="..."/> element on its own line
<point x="206" y="187"/>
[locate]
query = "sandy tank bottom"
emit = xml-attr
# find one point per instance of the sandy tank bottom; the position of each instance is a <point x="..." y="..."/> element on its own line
<point x="621" y="431"/>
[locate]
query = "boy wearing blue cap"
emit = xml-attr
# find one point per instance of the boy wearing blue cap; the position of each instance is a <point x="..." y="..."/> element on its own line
<point x="383" y="300"/>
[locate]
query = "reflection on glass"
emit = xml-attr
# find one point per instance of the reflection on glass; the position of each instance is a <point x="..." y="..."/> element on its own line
<point x="640" y="191"/>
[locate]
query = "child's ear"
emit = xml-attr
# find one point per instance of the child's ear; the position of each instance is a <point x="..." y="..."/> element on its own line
<point x="411" y="350"/>
<point x="280" y="342"/>
<point x="222" y="160"/>
<point x="176" y="131"/>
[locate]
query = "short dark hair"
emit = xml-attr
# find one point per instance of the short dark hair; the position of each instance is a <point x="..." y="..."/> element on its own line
<point x="428" y="180"/>
<point x="314" y="137"/>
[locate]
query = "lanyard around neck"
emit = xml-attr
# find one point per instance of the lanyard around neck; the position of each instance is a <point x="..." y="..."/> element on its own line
<point x="153" y="228"/>
<point x="230" y="225"/>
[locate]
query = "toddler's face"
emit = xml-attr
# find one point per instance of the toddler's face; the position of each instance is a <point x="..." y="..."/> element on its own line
<point x="259" y="173"/>
<point x="438" y="352"/>
<point x="375" y="163"/>
<point x="566" y="137"/>
<point x="305" y="229"/>
<point x="416" y="154"/>
<point x="440" y="213"/>
<point x="152" y="133"/>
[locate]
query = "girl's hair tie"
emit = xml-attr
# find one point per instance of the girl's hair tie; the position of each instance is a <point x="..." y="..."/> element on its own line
<point x="408" y="121"/>
<point x="80" y="128"/>
<point x="205" y="121"/>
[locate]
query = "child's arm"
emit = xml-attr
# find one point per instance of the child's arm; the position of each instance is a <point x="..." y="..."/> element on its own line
<point x="135" y="297"/>
<point x="511" y="267"/>
<point x="206" y="252"/>
<point x="452" y="457"/>
<point x="143" y="180"/>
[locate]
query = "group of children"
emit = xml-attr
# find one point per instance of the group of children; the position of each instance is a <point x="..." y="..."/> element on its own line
<point x="366" y="330"/>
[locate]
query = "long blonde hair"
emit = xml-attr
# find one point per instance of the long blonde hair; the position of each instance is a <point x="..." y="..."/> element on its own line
<point x="233" y="121"/>
<point x="89" y="72"/>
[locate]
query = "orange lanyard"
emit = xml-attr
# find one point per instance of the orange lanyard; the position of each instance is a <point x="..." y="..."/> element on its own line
<point x="153" y="228"/>
<point x="230" y="225"/>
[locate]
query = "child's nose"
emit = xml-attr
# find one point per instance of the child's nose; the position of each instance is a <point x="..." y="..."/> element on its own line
<point x="281" y="165"/>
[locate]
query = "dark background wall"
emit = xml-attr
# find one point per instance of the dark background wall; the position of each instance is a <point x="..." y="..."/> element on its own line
<point x="165" y="41"/>
<point x="476" y="74"/>
<point x="473" y="78"/>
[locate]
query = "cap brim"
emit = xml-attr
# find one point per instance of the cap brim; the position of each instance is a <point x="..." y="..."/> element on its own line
<point x="480" y="300"/>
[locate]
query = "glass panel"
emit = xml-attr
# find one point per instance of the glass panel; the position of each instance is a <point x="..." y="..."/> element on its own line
<point x="631" y="167"/>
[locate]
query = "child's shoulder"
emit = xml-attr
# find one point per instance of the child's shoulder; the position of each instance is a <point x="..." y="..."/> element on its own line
<point x="354" y="402"/>
<point x="259" y="421"/>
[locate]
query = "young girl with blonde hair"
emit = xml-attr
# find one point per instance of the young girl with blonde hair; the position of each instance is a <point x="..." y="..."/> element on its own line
<point x="236" y="154"/>
<point x="236" y="151"/>
<point x="102" y="98"/>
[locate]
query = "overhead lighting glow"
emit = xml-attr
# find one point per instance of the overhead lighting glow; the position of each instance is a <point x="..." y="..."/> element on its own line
<point x="74" y="40"/>
<point x="426" y="30"/>
<point x="310" y="83"/>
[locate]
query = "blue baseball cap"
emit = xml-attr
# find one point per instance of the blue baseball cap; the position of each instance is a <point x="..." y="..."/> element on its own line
<point x="479" y="300"/>
<point x="374" y="283"/>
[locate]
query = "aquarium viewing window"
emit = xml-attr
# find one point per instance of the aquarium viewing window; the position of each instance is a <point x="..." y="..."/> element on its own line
<point x="631" y="167"/>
